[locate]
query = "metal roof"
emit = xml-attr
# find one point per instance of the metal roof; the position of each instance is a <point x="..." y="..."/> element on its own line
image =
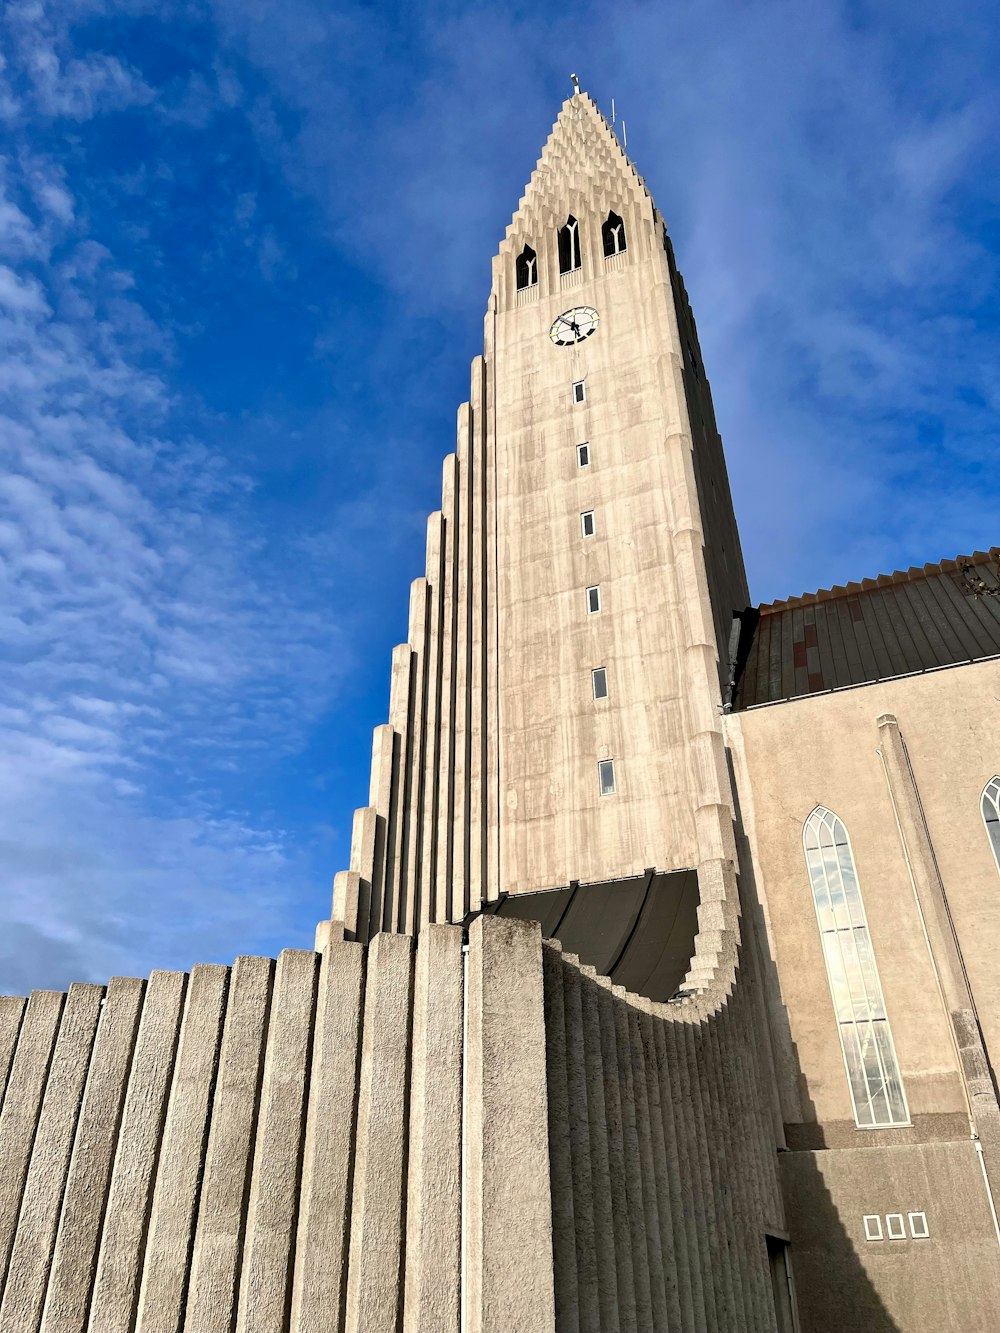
<point x="896" y="625"/>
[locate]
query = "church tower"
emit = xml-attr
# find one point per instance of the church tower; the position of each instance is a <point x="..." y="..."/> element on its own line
<point x="554" y="716"/>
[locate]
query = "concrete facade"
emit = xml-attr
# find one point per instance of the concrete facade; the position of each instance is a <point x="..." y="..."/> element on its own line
<point x="439" y="1120"/>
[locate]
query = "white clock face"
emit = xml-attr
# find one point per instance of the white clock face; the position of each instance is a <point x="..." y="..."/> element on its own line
<point x="572" y="326"/>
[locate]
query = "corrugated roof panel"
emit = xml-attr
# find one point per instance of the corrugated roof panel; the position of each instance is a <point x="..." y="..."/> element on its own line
<point x="910" y="621"/>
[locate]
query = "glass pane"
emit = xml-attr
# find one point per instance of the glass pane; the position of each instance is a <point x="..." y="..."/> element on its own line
<point x="856" y="1074"/>
<point x="894" y="1087"/>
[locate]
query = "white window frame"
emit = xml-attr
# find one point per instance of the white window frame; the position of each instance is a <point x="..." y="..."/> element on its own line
<point x="895" y="1227"/>
<point x="603" y="672"/>
<point x="593" y="610"/>
<point x="582" y="386"/>
<point x="989" y="804"/>
<point x="875" y="1082"/>
<point x="588" y="513"/>
<point x="919" y="1229"/>
<point x="613" y="789"/>
<point x="873" y="1226"/>
<point x="583" y="454"/>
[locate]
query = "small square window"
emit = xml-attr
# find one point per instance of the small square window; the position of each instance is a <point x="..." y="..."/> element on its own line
<point x="895" y="1226"/>
<point x="579" y="392"/>
<point x="600" y="679"/>
<point x="583" y="455"/>
<point x="587" y="523"/>
<point x="593" y="600"/>
<point x="918" y="1226"/>
<point x="873" y="1227"/>
<point x="606" y="774"/>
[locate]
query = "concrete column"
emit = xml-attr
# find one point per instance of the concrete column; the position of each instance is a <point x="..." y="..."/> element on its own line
<point x="43" y="1188"/>
<point x="12" y="1009"/>
<point x="374" y="1281"/>
<point x="324" y="1227"/>
<point x="942" y="941"/>
<point x="19" y="1117"/>
<point x="509" y="1262"/>
<point x="219" y="1235"/>
<point x="433" y="1210"/>
<point x="122" y="1252"/>
<point x="272" y="1208"/>
<point x="67" y="1302"/>
<point x="175" y="1199"/>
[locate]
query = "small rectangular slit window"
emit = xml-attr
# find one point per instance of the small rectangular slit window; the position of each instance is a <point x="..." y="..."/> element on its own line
<point x="587" y="523"/>
<point x="918" y="1226"/>
<point x="579" y="391"/>
<point x="593" y="600"/>
<point x="895" y="1227"/>
<point x="583" y="455"/>
<point x="606" y="775"/>
<point x="873" y="1227"/>
<point x="600" y="679"/>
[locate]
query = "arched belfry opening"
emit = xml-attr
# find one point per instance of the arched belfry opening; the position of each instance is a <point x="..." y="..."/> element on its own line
<point x="569" y="245"/>
<point x="613" y="236"/>
<point x="526" y="269"/>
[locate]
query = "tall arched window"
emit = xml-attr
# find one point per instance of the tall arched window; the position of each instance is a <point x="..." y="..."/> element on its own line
<point x="991" y="815"/>
<point x="569" y="245"/>
<point x="526" y="268"/>
<point x="869" y="1054"/>
<point x="613" y="235"/>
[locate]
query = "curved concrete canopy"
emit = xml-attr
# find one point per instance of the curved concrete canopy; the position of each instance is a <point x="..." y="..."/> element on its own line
<point x="638" y="931"/>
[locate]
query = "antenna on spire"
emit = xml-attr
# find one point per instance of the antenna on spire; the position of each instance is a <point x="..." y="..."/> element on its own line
<point x="624" y="136"/>
<point x="612" y="111"/>
<point x="576" y="85"/>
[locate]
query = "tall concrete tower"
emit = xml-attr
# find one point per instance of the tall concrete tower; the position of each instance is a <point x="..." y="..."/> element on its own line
<point x="554" y="716"/>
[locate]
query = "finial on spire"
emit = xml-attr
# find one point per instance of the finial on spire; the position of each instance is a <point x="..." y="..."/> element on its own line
<point x="576" y="85"/>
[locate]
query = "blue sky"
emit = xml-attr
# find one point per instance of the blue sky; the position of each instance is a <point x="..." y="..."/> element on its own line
<point x="244" y="258"/>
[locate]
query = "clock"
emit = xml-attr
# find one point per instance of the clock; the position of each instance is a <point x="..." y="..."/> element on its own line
<point x="572" y="326"/>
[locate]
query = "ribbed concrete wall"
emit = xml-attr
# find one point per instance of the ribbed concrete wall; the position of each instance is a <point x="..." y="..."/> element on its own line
<point x="279" y="1146"/>
<point x="380" y="1137"/>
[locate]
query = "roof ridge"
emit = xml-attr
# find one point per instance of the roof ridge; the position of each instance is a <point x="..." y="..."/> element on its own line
<point x="929" y="570"/>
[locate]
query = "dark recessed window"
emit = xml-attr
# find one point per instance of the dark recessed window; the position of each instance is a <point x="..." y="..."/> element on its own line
<point x="583" y="455"/>
<point x="526" y="268"/>
<point x="599" y="676"/>
<point x="587" y="523"/>
<point x="606" y="776"/>
<point x="613" y="236"/>
<point x="569" y="246"/>
<point x="593" y="600"/>
<point x="579" y="392"/>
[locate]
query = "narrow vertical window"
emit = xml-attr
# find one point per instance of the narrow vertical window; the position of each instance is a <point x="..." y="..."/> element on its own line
<point x="613" y="236"/>
<point x="569" y="245"/>
<point x="526" y="268"/>
<point x="599" y="678"/>
<point x="869" y="1054"/>
<point x="593" y="600"/>
<point x="583" y="455"/>
<point x="606" y="776"/>
<point x="587" y="523"/>
<point x="991" y="815"/>
<point x="579" y="391"/>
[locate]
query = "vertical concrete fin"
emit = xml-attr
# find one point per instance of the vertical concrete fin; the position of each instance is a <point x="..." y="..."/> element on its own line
<point x="12" y="1008"/>
<point x="477" y="695"/>
<point x="457" y="885"/>
<point x="272" y="1207"/>
<point x="384" y="749"/>
<point x="362" y="863"/>
<point x="163" y="1288"/>
<point x="22" y="1103"/>
<point x="375" y="1273"/>
<point x="74" y="1261"/>
<point x="428" y="807"/>
<point x="433" y="1210"/>
<point x="416" y="745"/>
<point x="31" y="1254"/>
<point x="444" y="863"/>
<point x="220" y="1230"/>
<point x="509" y="1263"/>
<point x="320" y="1283"/>
<point x="608" y="1296"/>
<point x="126" y="1218"/>
<point x="567" y="1301"/>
